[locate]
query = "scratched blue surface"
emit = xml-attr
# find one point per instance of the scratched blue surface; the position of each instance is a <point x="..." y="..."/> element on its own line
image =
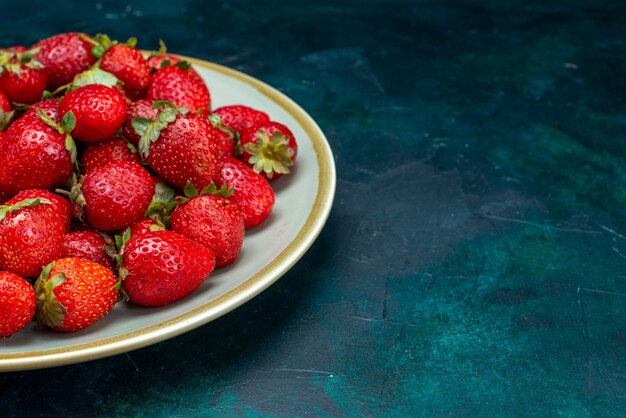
<point x="474" y="263"/>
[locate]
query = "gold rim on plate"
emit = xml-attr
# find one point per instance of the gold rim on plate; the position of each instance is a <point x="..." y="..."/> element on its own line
<point x="235" y="297"/>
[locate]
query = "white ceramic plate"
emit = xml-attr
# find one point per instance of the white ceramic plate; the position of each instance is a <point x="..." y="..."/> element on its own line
<point x="303" y="201"/>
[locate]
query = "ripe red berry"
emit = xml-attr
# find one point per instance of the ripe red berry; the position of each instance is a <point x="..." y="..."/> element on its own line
<point x="64" y="56"/>
<point x="162" y="267"/>
<point x="99" y="111"/>
<point x="128" y="65"/>
<point x="252" y="193"/>
<point x="108" y="151"/>
<point x="117" y="195"/>
<point x="88" y="245"/>
<point x="269" y="148"/>
<point x="73" y="293"/>
<point x="17" y="303"/>
<point x="180" y="87"/>
<point x="59" y="204"/>
<point x="240" y="117"/>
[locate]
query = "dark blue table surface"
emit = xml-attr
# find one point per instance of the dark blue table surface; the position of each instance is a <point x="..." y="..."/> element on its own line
<point x="474" y="263"/>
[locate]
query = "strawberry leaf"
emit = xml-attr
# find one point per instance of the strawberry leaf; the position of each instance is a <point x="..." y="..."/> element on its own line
<point x="183" y="65"/>
<point x="26" y="203"/>
<point x="150" y="130"/>
<point x="95" y="75"/>
<point x="68" y="123"/>
<point x="70" y="145"/>
<point x="223" y="191"/>
<point x="190" y="190"/>
<point x="165" y="63"/>
<point x="5" y="119"/>
<point x="270" y="154"/>
<point x="132" y="42"/>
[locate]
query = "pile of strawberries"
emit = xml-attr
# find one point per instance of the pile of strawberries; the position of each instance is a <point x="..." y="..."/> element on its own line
<point x="118" y="181"/>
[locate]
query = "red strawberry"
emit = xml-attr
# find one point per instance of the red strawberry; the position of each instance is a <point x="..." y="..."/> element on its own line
<point x="240" y="117"/>
<point x="88" y="245"/>
<point x="144" y="225"/>
<point x="64" y="56"/>
<point x="22" y="78"/>
<point x="117" y="195"/>
<point x="31" y="235"/>
<point x="213" y="221"/>
<point x="17" y="303"/>
<point x="269" y="148"/>
<point x="160" y="59"/>
<point x="180" y="87"/>
<point x="99" y="111"/>
<point x="103" y="153"/>
<point x="50" y="107"/>
<point x="180" y="147"/>
<point x="6" y="112"/>
<point x="139" y="109"/>
<point x="252" y="193"/>
<point x="128" y="65"/>
<point x="162" y="267"/>
<point x="34" y="155"/>
<point x="73" y="293"/>
<point x="59" y="204"/>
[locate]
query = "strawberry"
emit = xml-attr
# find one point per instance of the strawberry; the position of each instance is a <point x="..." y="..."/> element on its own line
<point x="252" y="193"/>
<point x="117" y="195"/>
<point x="180" y="146"/>
<point x="59" y="204"/>
<point x="269" y="148"/>
<point x="4" y="196"/>
<point x="212" y="220"/>
<point x="139" y="109"/>
<point x="64" y="56"/>
<point x="6" y="112"/>
<point x="128" y="65"/>
<point x="35" y="155"/>
<point x="73" y="293"/>
<point x="144" y="225"/>
<point x="161" y="59"/>
<point x="162" y="267"/>
<point x="31" y="235"/>
<point x="180" y="87"/>
<point x="50" y="107"/>
<point x="22" y="78"/>
<point x="240" y="117"/>
<point x="103" y="153"/>
<point x="17" y="303"/>
<point x="89" y="245"/>
<point x="99" y="111"/>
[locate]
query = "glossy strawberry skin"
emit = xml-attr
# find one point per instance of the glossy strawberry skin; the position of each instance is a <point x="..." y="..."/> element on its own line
<point x="117" y="195"/>
<point x="180" y="87"/>
<point x="86" y="295"/>
<point x="163" y="267"/>
<point x="50" y="107"/>
<point x="187" y="150"/>
<point x="5" y="104"/>
<point x="142" y="226"/>
<point x="29" y="239"/>
<point x="26" y="88"/>
<point x="240" y="117"/>
<point x="138" y="109"/>
<point x="128" y="65"/>
<point x="88" y="245"/>
<point x="17" y="303"/>
<point x="252" y="193"/>
<point x="250" y="136"/>
<point x="106" y="152"/>
<point x="214" y="222"/>
<point x="34" y="156"/>
<point x="156" y="62"/>
<point x="64" y="56"/>
<point x="99" y="111"/>
<point x="59" y="204"/>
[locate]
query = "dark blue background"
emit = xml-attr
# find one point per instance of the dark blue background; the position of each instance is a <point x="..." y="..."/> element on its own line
<point x="474" y="261"/>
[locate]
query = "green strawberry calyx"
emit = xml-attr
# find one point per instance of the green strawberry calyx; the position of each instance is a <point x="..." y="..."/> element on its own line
<point x="191" y="191"/>
<point x="270" y="154"/>
<point x="162" y="204"/>
<point x="149" y="130"/>
<point x="5" y="119"/>
<point x="75" y="195"/>
<point x="49" y="310"/>
<point x="94" y="75"/>
<point x="68" y="123"/>
<point x="101" y="43"/>
<point x="26" y="203"/>
<point x="13" y="61"/>
<point x="122" y="272"/>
